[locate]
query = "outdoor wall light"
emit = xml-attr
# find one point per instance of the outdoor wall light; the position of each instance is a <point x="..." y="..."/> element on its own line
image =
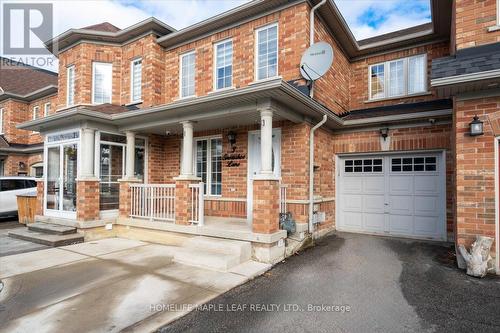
<point x="231" y="137"/>
<point x="476" y="127"/>
<point x="384" y="133"/>
<point x="22" y="166"/>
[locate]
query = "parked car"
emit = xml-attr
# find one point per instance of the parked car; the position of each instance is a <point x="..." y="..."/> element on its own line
<point x="10" y="187"/>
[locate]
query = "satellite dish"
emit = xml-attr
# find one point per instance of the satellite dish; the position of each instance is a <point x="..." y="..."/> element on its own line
<point x="316" y="61"/>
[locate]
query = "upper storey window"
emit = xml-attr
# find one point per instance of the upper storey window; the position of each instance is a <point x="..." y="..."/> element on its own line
<point x="187" y="74"/>
<point x="224" y="64"/>
<point x="401" y="77"/>
<point x="136" y="80"/>
<point x="36" y="112"/>
<point x="1" y="122"/>
<point x="70" y="85"/>
<point x="101" y="82"/>
<point x="267" y="52"/>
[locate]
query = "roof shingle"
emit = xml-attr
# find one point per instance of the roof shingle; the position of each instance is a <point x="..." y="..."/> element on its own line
<point x="21" y="79"/>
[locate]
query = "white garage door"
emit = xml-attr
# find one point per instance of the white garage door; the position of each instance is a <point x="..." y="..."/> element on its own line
<point x="400" y="195"/>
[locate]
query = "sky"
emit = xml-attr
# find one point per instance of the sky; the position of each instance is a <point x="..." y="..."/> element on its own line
<point x="366" y="18"/>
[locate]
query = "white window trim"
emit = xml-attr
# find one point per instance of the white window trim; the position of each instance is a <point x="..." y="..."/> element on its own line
<point x="498" y="16"/>
<point x="256" y="51"/>
<point x="1" y="120"/>
<point x="132" y="81"/>
<point x="93" y="81"/>
<point x="387" y="74"/>
<point x="36" y="110"/>
<point x="209" y="161"/>
<point x="180" y="74"/>
<point x="68" y="69"/>
<point x="46" y="109"/>
<point x="215" y="65"/>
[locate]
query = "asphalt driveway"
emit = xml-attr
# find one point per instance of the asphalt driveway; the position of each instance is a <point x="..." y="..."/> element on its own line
<point x="356" y="283"/>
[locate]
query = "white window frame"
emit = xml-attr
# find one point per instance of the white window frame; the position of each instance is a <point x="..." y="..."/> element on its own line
<point x="46" y="109"/>
<point x="215" y="64"/>
<point x="498" y="24"/>
<point x="71" y="101"/>
<point x="406" y="76"/>
<point x="180" y="73"/>
<point x="1" y="120"/>
<point x="36" y="110"/>
<point x="132" y="64"/>
<point x="209" y="161"/>
<point x="107" y="64"/>
<point x="256" y="51"/>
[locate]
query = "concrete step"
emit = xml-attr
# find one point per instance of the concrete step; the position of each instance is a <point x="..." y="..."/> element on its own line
<point x="52" y="229"/>
<point x="46" y="239"/>
<point x="210" y="260"/>
<point x="241" y="249"/>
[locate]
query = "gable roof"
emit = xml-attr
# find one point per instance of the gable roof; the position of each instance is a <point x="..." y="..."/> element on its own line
<point x="25" y="82"/>
<point x="104" y="26"/>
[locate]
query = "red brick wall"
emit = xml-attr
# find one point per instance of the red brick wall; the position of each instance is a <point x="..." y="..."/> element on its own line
<point x="403" y="139"/>
<point x="473" y="18"/>
<point x="359" y="82"/>
<point x="87" y="204"/>
<point x="475" y="176"/>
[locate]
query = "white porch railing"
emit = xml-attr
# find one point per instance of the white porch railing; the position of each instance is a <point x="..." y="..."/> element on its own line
<point x="197" y="204"/>
<point x="283" y="198"/>
<point x="153" y="201"/>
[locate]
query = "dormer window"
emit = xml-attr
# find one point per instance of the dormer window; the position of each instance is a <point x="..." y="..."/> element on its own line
<point x="101" y="82"/>
<point x="398" y="78"/>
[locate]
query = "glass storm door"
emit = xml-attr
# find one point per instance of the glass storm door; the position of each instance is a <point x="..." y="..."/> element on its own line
<point x="62" y="162"/>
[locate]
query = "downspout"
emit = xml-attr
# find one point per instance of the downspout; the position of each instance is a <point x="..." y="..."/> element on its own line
<point x="311" y="171"/>
<point x="311" y="35"/>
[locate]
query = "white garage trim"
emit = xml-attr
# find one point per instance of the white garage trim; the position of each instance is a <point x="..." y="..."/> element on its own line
<point x="379" y="201"/>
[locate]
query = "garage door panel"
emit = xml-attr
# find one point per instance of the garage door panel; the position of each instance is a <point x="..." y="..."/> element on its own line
<point x="401" y="205"/>
<point x="400" y="185"/>
<point x="373" y="185"/>
<point x="352" y="203"/>
<point x="427" y="206"/>
<point x="353" y="220"/>
<point x="427" y="185"/>
<point x="352" y="185"/>
<point x="401" y="224"/>
<point x="426" y="225"/>
<point x="373" y="222"/>
<point x="373" y="204"/>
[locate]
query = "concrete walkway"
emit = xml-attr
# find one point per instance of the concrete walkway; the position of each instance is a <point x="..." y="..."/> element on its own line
<point x="389" y="285"/>
<point x="107" y="285"/>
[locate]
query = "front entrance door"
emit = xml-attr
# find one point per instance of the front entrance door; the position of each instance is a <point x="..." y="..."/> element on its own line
<point x="60" y="189"/>
<point x="254" y="163"/>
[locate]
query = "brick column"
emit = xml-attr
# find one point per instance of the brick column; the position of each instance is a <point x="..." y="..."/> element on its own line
<point x="125" y="196"/>
<point x="265" y="206"/>
<point x="183" y="200"/>
<point x="87" y="199"/>
<point x="40" y="194"/>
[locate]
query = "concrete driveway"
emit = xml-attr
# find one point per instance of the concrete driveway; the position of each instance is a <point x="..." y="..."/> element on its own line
<point x="108" y="285"/>
<point x="389" y="285"/>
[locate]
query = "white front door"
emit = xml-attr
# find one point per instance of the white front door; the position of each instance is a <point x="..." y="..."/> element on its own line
<point x="397" y="194"/>
<point x="254" y="163"/>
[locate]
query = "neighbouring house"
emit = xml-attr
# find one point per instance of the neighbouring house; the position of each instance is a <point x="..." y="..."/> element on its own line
<point x="26" y="93"/>
<point x="161" y="134"/>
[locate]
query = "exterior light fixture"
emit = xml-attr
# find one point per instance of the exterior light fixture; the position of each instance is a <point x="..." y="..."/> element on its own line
<point x="476" y="127"/>
<point x="22" y="166"/>
<point x="384" y="133"/>
<point x="231" y="137"/>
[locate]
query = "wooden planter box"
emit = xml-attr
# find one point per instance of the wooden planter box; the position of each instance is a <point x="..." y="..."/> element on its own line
<point x="26" y="208"/>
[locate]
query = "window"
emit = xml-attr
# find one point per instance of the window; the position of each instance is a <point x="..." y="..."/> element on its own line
<point x="498" y="12"/>
<point x="101" y="82"/>
<point x="267" y="52"/>
<point x="136" y="80"/>
<point x="35" y="112"/>
<point x="223" y="64"/>
<point x="38" y="171"/>
<point x="70" y="85"/>
<point x="401" y="77"/>
<point x="13" y="184"/>
<point x="46" y="109"/>
<point x="366" y="165"/>
<point x="1" y="121"/>
<point x="187" y="74"/>
<point x="209" y="164"/>
<point x="411" y="164"/>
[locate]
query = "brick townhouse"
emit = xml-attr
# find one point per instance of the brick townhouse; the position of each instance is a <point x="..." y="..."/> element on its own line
<point x="25" y="93"/>
<point x="211" y="130"/>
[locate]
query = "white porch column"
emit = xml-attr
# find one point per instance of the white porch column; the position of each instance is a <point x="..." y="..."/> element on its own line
<point x="130" y="156"/>
<point x="187" y="150"/>
<point x="266" y="141"/>
<point x="88" y="146"/>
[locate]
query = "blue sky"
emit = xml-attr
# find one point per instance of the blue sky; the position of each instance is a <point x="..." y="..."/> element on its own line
<point x="366" y="18"/>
